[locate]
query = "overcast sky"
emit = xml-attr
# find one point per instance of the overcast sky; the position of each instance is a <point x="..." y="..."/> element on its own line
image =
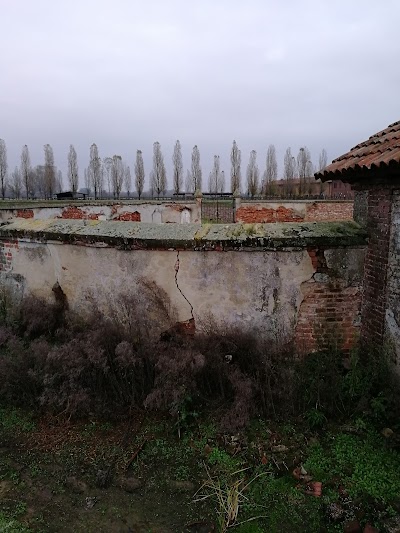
<point x="126" y="73"/>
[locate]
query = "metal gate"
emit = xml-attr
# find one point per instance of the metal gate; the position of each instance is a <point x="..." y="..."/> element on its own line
<point x="217" y="208"/>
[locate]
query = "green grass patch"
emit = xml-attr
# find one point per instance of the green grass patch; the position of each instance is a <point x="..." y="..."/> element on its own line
<point x="363" y="464"/>
<point x="12" y="419"/>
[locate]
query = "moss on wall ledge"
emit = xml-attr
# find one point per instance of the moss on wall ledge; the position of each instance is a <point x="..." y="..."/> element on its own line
<point x="140" y="235"/>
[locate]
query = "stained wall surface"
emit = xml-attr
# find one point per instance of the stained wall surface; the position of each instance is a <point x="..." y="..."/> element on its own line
<point x="289" y="283"/>
<point x="140" y="211"/>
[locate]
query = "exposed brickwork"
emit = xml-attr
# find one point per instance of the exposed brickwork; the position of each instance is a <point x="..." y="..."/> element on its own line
<point x="376" y="265"/>
<point x="251" y="214"/>
<point x="77" y="213"/>
<point x="328" y="211"/>
<point x="329" y="312"/>
<point x="393" y="296"/>
<point x="7" y="248"/>
<point x="25" y="213"/>
<point x="128" y="217"/>
<point x="314" y="211"/>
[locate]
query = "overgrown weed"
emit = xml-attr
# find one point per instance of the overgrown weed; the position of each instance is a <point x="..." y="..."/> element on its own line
<point x="115" y="360"/>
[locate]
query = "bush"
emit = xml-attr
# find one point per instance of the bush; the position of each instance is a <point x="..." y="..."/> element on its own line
<point x="52" y="359"/>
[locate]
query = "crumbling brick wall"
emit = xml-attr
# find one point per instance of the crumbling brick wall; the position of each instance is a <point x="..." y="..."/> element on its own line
<point x="73" y="212"/>
<point x="7" y="248"/>
<point x="393" y="292"/>
<point x="329" y="313"/>
<point x="328" y="211"/>
<point x="252" y="214"/>
<point x="270" y="212"/>
<point x="376" y="265"/>
<point x="24" y="213"/>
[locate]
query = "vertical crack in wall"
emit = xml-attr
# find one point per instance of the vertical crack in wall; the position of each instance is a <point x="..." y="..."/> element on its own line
<point x="177" y="285"/>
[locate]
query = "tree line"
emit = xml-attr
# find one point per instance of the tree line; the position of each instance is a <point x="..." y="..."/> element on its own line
<point x="109" y="176"/>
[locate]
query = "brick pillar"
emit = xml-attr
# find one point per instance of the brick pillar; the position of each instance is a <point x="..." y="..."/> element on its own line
<point x="376" y="266"/>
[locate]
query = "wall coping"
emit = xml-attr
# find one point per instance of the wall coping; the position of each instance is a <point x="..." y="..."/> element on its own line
<point x="48" y="204"/>
<point x="8" y="205"/>
<point x="297" y="201"/>
<point x="196" y="237"/>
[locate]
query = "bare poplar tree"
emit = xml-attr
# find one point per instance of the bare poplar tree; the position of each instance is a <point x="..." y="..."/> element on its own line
<point x="139" y="173"/>
<point x="236" y="158"/>
<point x="189" y="183"/>
<point x="15" y="184"/>
<point x="49" y="171"/>
<point x="252" y="174"/>
<point x="160" y="176"/>
<point x="303" y="159"/>
<point x="59" y="181"/>
<point x="38" y="183"/>
<point x="73" y="178"/>
<point x="322" y="160"/>
<point x="310" y="182"/>
<point x="107" y="165"/>
<point x="271" y="171"/>
<point x="196" y="169"/>
<point x="289" y="172"/>
<point x="88" y="180"/>
<point x="3" y="167"/>
<point x="152" y="182"/>
<point x="127" y="179"/>
<point x="177" y="168"/>
<point x="221" y="182"/>
<point x="214" y="177"/>
<point x="26" y="170"/>
<point x="117" y="175"/>
<point x="95" y="170"/>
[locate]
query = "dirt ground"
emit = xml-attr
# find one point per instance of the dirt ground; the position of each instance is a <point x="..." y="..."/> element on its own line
<point x="62" y="477"/>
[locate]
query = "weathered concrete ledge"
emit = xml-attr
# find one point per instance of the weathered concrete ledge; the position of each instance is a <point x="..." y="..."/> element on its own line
<point x="43" y="204"/>
<point x="134" y="235"/>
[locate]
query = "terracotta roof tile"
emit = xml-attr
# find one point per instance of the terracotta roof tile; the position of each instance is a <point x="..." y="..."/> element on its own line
<point x="379" y="150"/>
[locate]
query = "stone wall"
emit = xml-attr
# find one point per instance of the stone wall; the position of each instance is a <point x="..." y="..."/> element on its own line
<point x="134" y="211"/>
<point x="292" y="283"/>
<point x="295" y="211"/>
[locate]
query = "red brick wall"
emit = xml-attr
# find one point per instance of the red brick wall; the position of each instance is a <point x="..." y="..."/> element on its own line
<point x="6" y="253"/>
<point x="128" y="217"/>
<point x="328" y="211"/>
<point x="249" y="213"/>
<point x="329" y="312"/>
<point x="77" y="213"/>
<point x="25" y="213"/>
<point x="375" y="268"/>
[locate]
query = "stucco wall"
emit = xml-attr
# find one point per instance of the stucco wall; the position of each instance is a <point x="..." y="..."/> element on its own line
<point x="299" y="293"/>
<point x="393" y="287"/>
<point x="155" y="212"/>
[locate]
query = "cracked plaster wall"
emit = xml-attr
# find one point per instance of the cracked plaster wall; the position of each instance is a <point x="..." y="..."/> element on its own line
<point x="269" y="292"/>
<point x="171" y="212"/>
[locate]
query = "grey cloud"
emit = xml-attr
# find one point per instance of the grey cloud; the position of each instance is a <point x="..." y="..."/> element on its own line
<point x="126" y="73"/>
